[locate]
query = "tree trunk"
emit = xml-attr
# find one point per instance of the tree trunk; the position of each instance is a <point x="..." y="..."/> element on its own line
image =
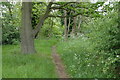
<point x="74" y="26"/>
<point x="68" y="28"/>
<point x="27" y="41"/>
<point x="79" y="23"/>
<point x="65" y="24"/>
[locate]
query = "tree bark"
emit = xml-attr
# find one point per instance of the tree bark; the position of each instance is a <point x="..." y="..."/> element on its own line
<point x="27" y="41"/>
<point x="79" y="23"/>
<point x="74" y="26"/>
<point x="68" y="28"/>
<point x="65" y="24"/>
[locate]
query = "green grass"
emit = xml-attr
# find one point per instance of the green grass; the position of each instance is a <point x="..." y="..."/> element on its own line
<point x="39" y="65"/>
<point x="79" y="56"/>
<point x="0" y="61"/>
<point x="44" y="45"/>
<point x="82" y="60"/>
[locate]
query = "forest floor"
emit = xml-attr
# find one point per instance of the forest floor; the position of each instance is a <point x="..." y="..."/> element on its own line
<point x="50" y="61"/>
<point x="58" y="63"/>
<point x="39" y="65"/>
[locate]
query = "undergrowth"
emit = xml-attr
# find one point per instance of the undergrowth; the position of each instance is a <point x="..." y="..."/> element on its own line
<point x="95" y="54"/>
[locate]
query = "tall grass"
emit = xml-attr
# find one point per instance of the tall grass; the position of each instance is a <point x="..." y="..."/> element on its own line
<point x="39" y="65"/>
<point x="96" y="53"/>
<point x="82" y="60"/>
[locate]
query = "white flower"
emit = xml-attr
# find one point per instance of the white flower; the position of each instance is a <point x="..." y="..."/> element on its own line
<point x="117" y="56"/>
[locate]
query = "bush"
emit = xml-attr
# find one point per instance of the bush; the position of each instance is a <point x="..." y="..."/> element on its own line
<point x="10" y="37"/>
<point x="10" y="23"/>
<point x="93" y="55"/>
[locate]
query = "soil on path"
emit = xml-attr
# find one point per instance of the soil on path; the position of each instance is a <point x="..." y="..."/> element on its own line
<point x="58" y="63"/>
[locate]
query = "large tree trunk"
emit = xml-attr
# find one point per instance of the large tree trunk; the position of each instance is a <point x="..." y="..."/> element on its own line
<point x="27" y="41"/>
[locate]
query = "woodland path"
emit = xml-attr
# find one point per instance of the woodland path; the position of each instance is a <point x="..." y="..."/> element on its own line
<point x="58" y="64"/>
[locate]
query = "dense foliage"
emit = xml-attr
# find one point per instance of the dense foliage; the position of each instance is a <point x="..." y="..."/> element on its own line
<point x="38" y="9"/>
<point x="10" y="22"/>
<point x="95" y="54"/>
<point x="51" y="28"/>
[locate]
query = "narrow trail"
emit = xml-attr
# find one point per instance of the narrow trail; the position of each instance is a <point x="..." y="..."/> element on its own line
<point x="58" y="63"/>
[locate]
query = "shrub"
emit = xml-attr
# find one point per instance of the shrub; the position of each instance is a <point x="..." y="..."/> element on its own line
<point x="93" y="55"/>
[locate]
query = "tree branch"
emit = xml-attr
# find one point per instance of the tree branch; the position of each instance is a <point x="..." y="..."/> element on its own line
<point x="64" y="4"/>
<point x="54" y="8"/>
<point x="42" y="19"/>
<point x="66" y="15"/>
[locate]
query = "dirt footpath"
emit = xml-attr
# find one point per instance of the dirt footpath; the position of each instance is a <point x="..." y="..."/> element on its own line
<point x="58" y="63"/>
